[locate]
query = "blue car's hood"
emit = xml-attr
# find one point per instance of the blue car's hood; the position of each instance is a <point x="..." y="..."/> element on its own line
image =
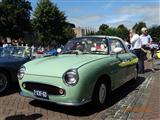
<point x="7" y="59"/>
<point x="12" y="62"/>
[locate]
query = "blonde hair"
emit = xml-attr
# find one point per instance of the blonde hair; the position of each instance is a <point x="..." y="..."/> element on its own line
<point x="144" y="29"/>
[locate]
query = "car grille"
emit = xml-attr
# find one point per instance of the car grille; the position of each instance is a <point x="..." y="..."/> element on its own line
<point x="52" y="90"/>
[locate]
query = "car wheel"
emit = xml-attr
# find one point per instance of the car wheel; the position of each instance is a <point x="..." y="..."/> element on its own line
<point x="101" y="92"/>
<point x="3" y="82"/>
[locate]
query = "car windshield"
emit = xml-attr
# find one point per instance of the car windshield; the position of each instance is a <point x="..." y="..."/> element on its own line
<point x="13" y="51"/>
<point x="88" y="45"/>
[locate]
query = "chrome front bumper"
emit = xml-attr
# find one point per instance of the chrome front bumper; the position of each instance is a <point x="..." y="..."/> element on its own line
<point x="84" y="101"/>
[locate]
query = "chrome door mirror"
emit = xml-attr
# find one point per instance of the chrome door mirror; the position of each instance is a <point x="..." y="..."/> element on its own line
<point x="117" y="50"/>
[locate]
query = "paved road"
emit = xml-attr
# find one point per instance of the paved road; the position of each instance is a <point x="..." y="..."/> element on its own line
<point x="127" y="102"/>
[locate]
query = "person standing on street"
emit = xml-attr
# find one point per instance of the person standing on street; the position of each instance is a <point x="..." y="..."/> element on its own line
<point x="136" y="49"/>
<point x="146" y="43"/>
<point x="5" y="44"/>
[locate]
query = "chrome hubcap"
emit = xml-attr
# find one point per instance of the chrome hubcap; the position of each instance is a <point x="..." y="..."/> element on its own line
<point x="102" y="93"/>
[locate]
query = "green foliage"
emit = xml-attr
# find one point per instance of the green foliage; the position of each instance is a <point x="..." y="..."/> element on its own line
<point x="110" y="31"/>
<point x="103" y="27"/>
<point x="15" y="18"/>
<point x="155" y="33"/>
<point x="137" y="27"/>
<point x="50" y="23"/>
<point x="68" y="34"/>
<point x="91" y="33"/>
<point x="122" y="32"/>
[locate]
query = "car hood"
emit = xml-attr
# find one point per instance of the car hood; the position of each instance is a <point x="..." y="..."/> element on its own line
<point x="10" y="59"/>
<point x="57" y="65"/>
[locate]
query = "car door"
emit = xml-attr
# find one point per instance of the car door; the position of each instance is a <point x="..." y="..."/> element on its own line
<point x="128" y="62"/>
<point x="122" y="58"/>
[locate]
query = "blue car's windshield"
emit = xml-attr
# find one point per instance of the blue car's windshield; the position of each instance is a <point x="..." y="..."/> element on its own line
<point x="87" y="45"/>
<point x="13" y="51"/>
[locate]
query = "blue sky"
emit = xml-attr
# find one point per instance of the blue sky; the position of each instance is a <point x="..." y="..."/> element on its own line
<point x="93" y="13"/>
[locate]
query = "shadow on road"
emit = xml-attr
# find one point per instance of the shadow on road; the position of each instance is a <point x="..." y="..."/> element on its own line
<point x="89" y="109"/>
<point x="24" y="117"/>
<point x="124" y="90"/>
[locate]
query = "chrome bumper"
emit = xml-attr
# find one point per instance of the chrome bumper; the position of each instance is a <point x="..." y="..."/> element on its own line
<point x="59" y="103"/>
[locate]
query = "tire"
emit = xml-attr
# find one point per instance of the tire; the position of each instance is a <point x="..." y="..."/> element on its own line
<point x="101" y="93"/>
<point x="4" y="82"/>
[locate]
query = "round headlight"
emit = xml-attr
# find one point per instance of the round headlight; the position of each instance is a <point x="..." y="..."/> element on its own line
<point x="71" y="77"/>
<point x="21" y="72"/>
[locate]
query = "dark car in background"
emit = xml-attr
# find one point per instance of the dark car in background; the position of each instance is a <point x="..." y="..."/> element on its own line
<point x="11" y="58"/>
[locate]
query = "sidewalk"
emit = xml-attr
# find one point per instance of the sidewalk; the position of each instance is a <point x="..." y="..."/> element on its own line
<point x="141" y="103"/>
<point x="153" y="105"/>
<point x="149" y="107"/>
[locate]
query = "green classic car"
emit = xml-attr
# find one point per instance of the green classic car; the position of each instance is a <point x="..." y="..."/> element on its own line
<point x="87" y="69"/>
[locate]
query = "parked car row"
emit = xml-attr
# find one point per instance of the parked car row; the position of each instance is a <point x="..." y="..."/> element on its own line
<point x="87" y="69"/>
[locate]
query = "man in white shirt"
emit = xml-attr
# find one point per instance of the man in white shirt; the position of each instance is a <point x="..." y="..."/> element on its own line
<point x="135" y="40"/>
<point x="146" y="43"/>
<point x="136" y="49"/>
<point x="145" y="38"/>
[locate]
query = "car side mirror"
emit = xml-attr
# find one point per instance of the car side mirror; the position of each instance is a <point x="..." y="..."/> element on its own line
<point x="59" y="50"/>
<point x="117" y="50"/>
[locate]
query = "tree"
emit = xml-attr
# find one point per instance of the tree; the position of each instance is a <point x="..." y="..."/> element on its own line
<point x="154" y="31"/>
<point x="91" y="33"/>
<point x="137" y="27"/>
<point x="102" y="29"/>
<point x="50" y="23"/>
<point x="110" y="31"/>
<point x="68" y="34"/>
<point x="15" y="18"/>
<point x="122" y="32"/>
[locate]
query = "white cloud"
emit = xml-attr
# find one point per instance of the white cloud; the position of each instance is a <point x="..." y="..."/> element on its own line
<point x="127" y="15"/>
<point x="149" y="14"/>
<point x="86" y="20"/>
<point x="90" y="18"/>
<point x="117" y="18"/>
<point x="139" y="9"/>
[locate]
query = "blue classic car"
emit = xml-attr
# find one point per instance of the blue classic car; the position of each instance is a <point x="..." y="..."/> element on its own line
<point x="51" y="52"/>
<point x="11" y="58"/>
